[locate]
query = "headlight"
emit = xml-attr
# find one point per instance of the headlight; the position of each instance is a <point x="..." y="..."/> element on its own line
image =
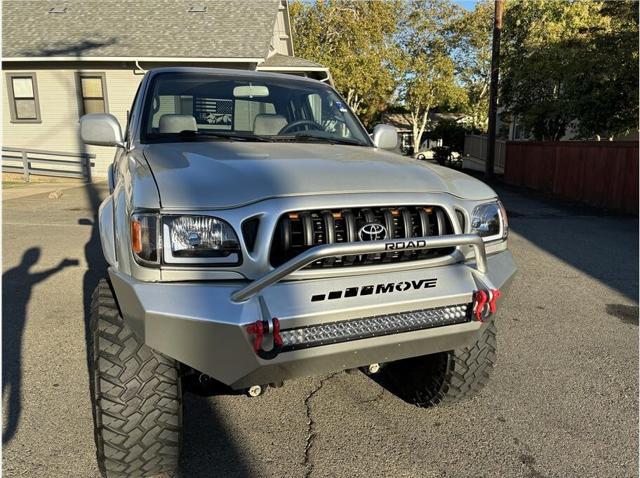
<point x="489" y="221"/>
<point x="199" y="239"/>
<point x="184" y="240"/>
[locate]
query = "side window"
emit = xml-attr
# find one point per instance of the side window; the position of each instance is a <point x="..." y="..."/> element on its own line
<point x="92" y="91"/>
<point x="315" y="103"/>
<point x="184" y="105"/>
<point x="23" y="98"/>
<point x="170" y="104"/>
<point x="329" y="113"/>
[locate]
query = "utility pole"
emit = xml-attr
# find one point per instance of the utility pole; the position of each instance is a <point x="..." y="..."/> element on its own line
<point x="493" y="91"/>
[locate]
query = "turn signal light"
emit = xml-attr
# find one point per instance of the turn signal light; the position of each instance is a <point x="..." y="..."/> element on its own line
<point x="136" y="236"/>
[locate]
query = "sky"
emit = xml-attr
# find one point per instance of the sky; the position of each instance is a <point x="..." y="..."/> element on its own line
<point x="468" y="4"/>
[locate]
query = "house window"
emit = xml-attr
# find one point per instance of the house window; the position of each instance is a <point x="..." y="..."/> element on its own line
<point x="23" y="97"/>
<point x="92" y="89"/>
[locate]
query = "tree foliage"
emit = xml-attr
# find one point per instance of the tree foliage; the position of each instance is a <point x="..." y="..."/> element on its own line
<point x="428" y="69"/>
<point x="564" y="62"/>
<point x="606" y="88"/>
<point x="452" y="134"/>
<point x="571" y="63"/>
<point x="355" y="40"/>
<point x="472" y="33"/>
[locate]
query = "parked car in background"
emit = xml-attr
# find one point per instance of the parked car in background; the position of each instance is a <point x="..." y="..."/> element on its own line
<point x="426" y="149"/>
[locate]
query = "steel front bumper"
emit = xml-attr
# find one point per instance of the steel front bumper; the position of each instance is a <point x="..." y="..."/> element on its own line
<point x="199" y="323"/>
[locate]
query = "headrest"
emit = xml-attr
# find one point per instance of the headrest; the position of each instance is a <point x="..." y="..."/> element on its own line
<point x="173" y="123"/>
<point x="268" y="125"/>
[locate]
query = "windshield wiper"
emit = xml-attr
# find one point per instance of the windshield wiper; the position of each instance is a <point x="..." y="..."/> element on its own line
<point x="314" y="137"/>
<point x="234" y="136"/>
<point x="190" y="135"/>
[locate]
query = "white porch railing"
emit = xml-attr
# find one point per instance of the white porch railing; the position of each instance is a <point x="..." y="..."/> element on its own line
<point x="46" y="163"/>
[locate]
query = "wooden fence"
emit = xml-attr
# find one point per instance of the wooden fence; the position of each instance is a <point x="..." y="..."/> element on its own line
<point x="46" y="163"/>
<point x="599" y="173"/>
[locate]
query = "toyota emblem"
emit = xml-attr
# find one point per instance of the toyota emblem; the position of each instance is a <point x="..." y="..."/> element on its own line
<point x="372" y="232"/>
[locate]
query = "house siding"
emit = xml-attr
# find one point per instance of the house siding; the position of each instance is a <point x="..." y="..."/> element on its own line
<point x="60" y="111"/>
<point x="281" y="41"/>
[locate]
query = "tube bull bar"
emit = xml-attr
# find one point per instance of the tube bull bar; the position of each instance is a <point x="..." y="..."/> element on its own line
<point x="357" y="248"/>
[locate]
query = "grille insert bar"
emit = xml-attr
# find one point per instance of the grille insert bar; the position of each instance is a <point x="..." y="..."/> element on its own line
<point x="376" y="326"/>
<point x="298" y="231"/>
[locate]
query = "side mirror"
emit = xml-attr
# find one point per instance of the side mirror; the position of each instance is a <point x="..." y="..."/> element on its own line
<point x="385" y="136"/>
<point x="101" y="129"/>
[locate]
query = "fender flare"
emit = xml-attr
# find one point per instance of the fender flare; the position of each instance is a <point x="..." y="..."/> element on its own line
<point x="107" y="232"/>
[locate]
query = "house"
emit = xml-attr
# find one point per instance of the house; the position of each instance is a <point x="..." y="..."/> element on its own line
<point x="403" y="125"/>
<point x="62" y="59"/>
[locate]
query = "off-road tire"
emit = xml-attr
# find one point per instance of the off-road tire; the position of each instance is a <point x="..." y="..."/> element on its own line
<point x="445" y="377"/>
<point x="136" y="396"/>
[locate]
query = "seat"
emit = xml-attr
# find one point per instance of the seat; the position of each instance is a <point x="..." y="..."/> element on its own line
<point x="268" y="125"/>
<point x="174" y="123"/>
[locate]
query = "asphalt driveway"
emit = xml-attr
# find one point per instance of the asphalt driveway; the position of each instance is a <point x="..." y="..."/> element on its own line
<point x="563" y="400"/>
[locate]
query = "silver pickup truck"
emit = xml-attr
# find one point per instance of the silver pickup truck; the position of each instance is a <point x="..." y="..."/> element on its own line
<point x="255" y="233"/>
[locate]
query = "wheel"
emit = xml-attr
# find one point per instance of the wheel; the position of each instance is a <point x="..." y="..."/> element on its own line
<point x="136" y="396"/>
<point x="445" y="377"/>
<point x="421" y="157"/>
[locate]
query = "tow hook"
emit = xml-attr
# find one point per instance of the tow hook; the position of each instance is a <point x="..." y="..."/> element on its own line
<point x="485" y="304"/>
<point x="262" y="329"/>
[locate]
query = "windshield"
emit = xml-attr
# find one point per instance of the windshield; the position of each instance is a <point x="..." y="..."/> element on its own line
<point x="196" y="106"/>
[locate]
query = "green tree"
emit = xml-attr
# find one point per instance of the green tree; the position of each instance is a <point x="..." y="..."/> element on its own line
<point x="428" y="71"/>
<point x="536" y="69"/>
<point x="472" y="32"/>
<point x="571" y="63"/>
<point x="355" y="40"/>
<point x="606" y="87"/>
<point x="452" y="134"/>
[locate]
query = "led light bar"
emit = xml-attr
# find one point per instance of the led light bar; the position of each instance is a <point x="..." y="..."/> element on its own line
<point x="355" y="329"/>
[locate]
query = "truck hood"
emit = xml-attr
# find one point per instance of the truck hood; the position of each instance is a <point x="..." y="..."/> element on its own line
<point x="230" y="174"/>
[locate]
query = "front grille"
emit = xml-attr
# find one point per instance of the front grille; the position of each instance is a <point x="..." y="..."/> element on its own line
<point x="300" y="230"/>
<point x="348" y="330"/>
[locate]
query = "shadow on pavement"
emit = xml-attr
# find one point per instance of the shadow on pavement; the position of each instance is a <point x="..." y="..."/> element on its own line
<point x="17" y="285"/>
<point x="96" y="265"/>
<point x="599" y="244"/>
<point x="605" y="249"/>
<point x="208" y="448"/>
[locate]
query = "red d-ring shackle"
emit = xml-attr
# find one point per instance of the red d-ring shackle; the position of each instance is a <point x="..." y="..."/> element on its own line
<point x="484" y="298"/>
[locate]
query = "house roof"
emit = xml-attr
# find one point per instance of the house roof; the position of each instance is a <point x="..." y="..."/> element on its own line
<point x="138" y="28"/>
<point x="399" y="120"/>
<point x="284" y="61"/>
<point x="402" y="122"/>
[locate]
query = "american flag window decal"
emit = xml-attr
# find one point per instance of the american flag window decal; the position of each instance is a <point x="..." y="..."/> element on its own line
<point x="214" y="111"/>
